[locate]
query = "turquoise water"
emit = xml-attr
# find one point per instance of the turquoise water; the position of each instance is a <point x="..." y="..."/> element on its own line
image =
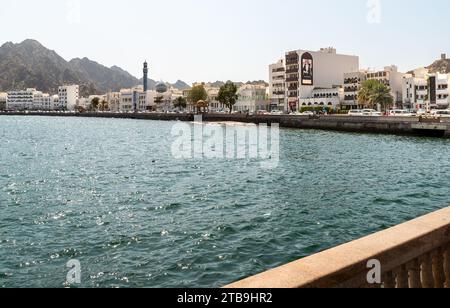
<point x="109" y="193"/>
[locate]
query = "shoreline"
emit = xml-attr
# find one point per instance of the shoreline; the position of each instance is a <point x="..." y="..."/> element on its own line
<point x="411" y="126"/>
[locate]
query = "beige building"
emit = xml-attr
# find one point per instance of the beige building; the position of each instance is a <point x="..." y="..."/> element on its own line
<point x="252" y="98"/>
<point x="277" y="85"/>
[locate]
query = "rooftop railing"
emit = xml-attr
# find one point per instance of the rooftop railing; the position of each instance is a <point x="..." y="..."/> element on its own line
<point x="415" y="254"/>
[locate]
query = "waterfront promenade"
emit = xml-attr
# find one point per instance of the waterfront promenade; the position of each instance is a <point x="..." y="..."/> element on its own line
<point x="381" y="125"/>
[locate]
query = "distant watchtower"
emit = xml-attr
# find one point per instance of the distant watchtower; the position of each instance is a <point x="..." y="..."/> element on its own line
<point x="145" y="76"/>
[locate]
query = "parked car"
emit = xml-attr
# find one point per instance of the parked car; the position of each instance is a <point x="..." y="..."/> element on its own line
<point x="400" y="113"/>
<point x="355" y="113"/>
<point x="309" y="113"/>
<point x="441" y="113"/>
<point x="276" y="112"/>
<point x="371" y="113"/>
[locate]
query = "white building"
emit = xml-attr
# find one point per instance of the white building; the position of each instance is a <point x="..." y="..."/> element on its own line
<point x="422" y="90"/>
<point x="252" y="98"/>
<point x="392" y="78"/>
<point x="352" y="85"/>
<point x="307" y="70"/>
<point x="136" y="99"/>
<point x="22" y="99"/>
<point x="323" y="98"/>
<point x="389" y="76"/>
<point x="277" y="85"/>
<point x="113" y="99"/>
<point x="68" y="96"/>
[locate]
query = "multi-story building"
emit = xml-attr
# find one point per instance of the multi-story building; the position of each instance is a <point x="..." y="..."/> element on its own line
<point x="22" y="99"/>
<point x="277" y="86"/>
<point x="392" y="78"/>
<point x="3" y="98"/>
<point x="389" y="76"/>
<point x="423" y="90"/>
<point x="324" y="98"/>
<point x="113" y="99"/>
<point x="43" y="101"/>
<point x="307" y="70"/>
<point x="68" y="96"/>
<point x="352" y="85"/>
<point x="252" y="98"/>
<point x="136" y="99"/>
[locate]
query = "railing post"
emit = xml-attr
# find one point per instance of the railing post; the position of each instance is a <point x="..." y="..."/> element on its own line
<point x="389" y="281"/>
<point x="438" y="269"/>
<point x="402" y="278"/>
<point x="427" y="272"/>
<point x="447" y="267"/>
<point x="414" y="275"/>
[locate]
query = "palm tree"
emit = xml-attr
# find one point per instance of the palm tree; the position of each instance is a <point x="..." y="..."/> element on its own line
<point x="382" y="95"/>
<point x="366" y="91"/>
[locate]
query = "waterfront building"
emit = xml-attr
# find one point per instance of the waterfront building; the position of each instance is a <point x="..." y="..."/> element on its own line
<point x="145" y="79"/>
<point x="308" y="70"/>
<point x="135" y="99"/>
<point x="424" y="90"/>
<point x="3" y="99"/>
<point x="389" y="76"/>
<point x="29" y="99"/>
<point x="252" y="98"/>
<point x="323" y="98"/>
<point x="352" y="85"/>
<point x="113" y="99"/>
<point x="68" y="96"/>
<point x="42" y="101"/>
<point x="277" y="86"/>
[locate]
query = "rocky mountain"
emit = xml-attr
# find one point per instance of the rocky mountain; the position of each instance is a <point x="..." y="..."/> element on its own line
<point x="31" y="65"/>
<point x="440" y="66"/>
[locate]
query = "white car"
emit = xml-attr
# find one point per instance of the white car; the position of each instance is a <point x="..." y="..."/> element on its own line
<point x="355" y="113"/>
<point x="309" y="113"/>
<point x="276" y="112"/>
<point x="441" y="113"/>
<point x="400" y="113"/>
<point x="371" y="113"/>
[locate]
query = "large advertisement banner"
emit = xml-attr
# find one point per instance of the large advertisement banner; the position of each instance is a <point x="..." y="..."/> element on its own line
<point x="307" y="69"/>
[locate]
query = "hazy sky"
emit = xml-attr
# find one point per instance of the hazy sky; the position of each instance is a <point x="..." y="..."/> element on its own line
<point x="208" y="40"/>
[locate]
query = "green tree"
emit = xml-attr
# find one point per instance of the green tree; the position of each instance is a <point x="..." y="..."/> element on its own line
<point x="197" y="93"/>
<point x="382" y="95"/>
<point x="228" y="95"/>
<point x="180" y="103"/>
<point x="95" y="103"/>
<point x="103" y="105"/>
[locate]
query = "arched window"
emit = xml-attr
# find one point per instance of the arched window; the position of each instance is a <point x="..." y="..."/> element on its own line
<point x="330" y="104"/>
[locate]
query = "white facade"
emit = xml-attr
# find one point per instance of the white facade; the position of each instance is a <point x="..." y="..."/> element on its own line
<point x="277" y="85"/>
<point x="68" y="97"/>
<point x="352" y="85"/>
<point x="252" y="98"/>
<point x="135" y="99"/>
<point x="324" y="98"/>
<point x="23" y="99"/>
<point x="307" y="70"/>
<point x="392" y="78"/>
<point x="422" y="90"/>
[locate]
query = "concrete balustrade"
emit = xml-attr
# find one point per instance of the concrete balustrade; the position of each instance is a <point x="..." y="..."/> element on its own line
<point x="415" y="254"/>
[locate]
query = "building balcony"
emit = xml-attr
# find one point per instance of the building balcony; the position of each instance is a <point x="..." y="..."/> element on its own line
<point x="292" y="79"/>
<point x="292" y="70"/>
<point x="415" y="254"/>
